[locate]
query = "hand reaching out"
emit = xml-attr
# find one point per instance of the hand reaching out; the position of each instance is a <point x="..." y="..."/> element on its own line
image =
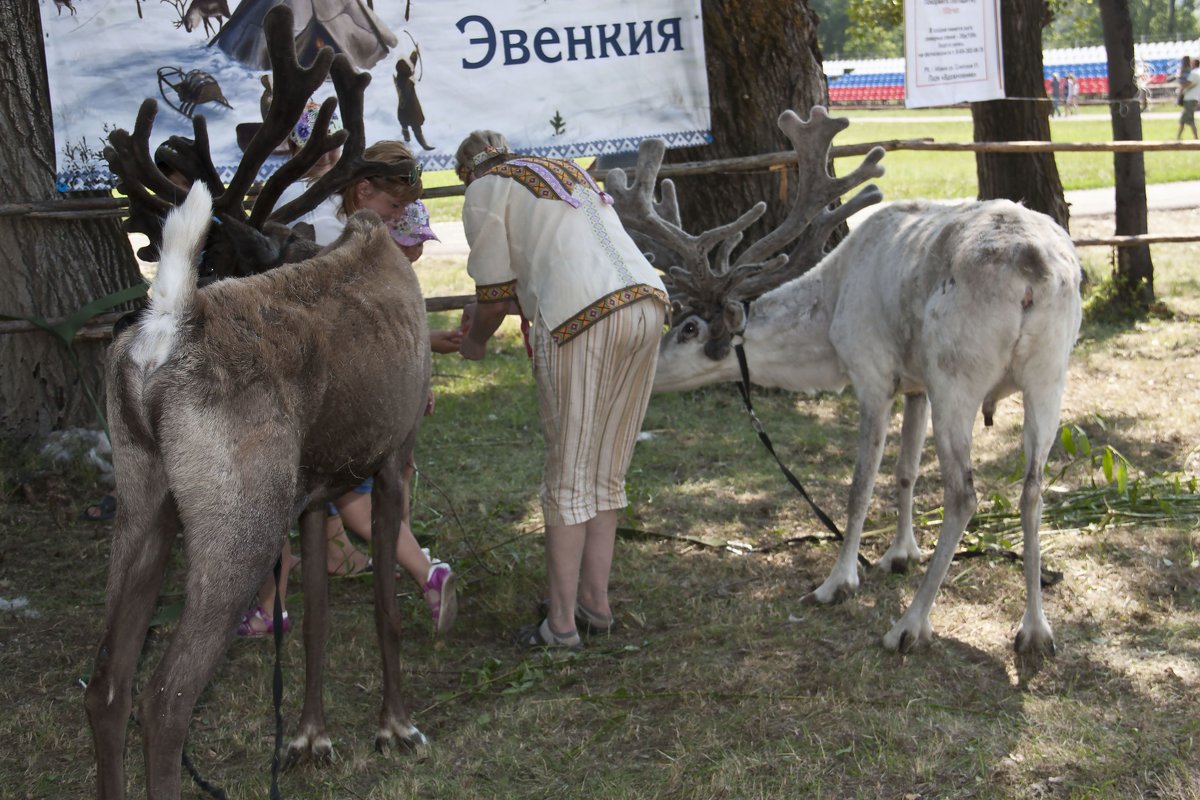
<point x="446" y="341"/>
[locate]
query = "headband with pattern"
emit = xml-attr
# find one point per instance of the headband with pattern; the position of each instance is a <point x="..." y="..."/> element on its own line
<point x="489" y="151"/>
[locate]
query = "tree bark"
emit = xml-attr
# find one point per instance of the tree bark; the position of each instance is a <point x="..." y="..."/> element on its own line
<point x="763" y="58"/>
<point x="1135" y="269"/>
<point x="1030" y="179"/>
<point x="48" y="267"/>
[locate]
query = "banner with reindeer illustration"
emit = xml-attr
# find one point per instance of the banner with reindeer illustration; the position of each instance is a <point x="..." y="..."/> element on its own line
<point x="557" y="77"/>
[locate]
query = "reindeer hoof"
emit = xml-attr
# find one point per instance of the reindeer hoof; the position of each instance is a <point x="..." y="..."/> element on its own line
<point x="898" y="565"/>
<point x="1036" y="645"/>
<point x="316" y="748"/>
<point x="904" y="637"/>
<point x="830" y="594"/>
<point x="400" y="736"/>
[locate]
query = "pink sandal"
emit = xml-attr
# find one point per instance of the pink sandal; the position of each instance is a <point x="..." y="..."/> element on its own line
<point x="441" y="597"/>
<point x="246" y="627"/>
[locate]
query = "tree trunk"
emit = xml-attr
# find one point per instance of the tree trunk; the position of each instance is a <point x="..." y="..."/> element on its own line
<point x="1029" y="179"/>
<point x="48" y="267"/>
<point x="763" y="58"/>
<point x="1135" y="270"/>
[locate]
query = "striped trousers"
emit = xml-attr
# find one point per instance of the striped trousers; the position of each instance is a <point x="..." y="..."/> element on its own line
<point x="592" y="396"/>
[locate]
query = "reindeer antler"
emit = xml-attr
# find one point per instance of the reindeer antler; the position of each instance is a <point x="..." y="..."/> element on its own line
<point x="814" y="216"/>
<point x="244" y="244"/>
<point x="659" y="221"/>
<point x="709" y="284"/>
<point x="294" y="84"/>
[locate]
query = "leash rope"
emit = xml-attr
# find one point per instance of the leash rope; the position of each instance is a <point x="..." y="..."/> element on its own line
<point x="1049" y="577"/>
<point x="744" y="389"/>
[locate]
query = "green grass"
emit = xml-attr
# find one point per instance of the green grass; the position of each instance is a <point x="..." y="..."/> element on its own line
<point x="945" y="175"/>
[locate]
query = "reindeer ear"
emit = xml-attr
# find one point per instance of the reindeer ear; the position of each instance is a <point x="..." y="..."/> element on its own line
<point x="735" y="318"/>
<point x="415" y="55"/>
<point x="677" y="312"/>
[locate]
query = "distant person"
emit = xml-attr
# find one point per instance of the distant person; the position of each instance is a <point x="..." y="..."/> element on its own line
<point x="1141" y="76"/>
<point x="1072" y="93"/>
<point x="1189" y="85"/>
<point x="1056" y="94"/>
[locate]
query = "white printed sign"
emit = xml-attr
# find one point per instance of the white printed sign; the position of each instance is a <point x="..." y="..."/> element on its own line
<point x="557" y="77"/>
<point x="952" y="52"/>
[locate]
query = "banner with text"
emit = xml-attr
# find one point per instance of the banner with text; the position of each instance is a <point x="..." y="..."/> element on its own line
<point x="952" y="52"/>
<point x="557" y="77"/>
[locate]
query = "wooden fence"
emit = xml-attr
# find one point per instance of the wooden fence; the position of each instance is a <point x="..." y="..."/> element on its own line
<point x="102" y="207"/>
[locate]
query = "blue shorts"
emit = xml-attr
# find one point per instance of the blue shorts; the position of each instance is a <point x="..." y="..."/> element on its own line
<point x="362" y="488"/>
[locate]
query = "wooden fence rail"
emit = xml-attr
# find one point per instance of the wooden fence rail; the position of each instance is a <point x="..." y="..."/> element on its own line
<point x="94" y="207"/>
<point x="100" y="326"/>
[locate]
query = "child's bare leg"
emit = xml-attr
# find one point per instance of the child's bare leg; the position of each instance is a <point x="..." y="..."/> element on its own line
<point x="410" y="555"/>
<point x="341" y="556"/>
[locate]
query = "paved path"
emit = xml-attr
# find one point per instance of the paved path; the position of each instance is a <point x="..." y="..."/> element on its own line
<point x="1098" y="202"/>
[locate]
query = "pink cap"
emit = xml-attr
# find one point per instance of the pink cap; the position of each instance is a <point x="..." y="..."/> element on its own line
<point x="413" y="228"/>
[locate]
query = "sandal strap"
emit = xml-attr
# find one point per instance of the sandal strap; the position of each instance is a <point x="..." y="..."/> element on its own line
<point x="541" y="635"/>
<point x="592" y="622"/>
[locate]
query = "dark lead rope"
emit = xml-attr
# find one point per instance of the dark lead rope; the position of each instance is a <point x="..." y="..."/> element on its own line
<point x="276" y="697"/>
<point x="744" y="388"/>
<point x="277" y="624"/>
<point x="1049" y="577"/>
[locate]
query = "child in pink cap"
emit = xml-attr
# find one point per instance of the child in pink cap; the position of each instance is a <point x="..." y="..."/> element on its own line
<point x="413" y="231"/>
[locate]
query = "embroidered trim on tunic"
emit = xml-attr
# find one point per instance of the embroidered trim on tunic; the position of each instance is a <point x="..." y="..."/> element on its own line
<point x="601" y="308"/>
<point x="496" y="292"/>
<point x="601" y="233"/>
<point x="549" y="178"/>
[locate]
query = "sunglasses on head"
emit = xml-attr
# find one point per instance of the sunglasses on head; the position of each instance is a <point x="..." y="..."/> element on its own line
<point x="412" y="176"/>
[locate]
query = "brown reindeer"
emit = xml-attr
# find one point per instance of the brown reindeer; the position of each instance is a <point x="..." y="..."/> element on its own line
<point x="67" y="4"/>
<point x="201" y="12"/>
<point x="251" y="395"/>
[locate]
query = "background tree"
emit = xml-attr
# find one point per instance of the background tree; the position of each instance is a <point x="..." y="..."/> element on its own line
<point x="1030" y="178"/>
<point x="833" y="27"/>
<point x="1135" y="270"/>
<point x="48" y="267"/>
<point x="1079" y="22"/>
<point x="877" y="27"/>
<point x="762" y="58"/>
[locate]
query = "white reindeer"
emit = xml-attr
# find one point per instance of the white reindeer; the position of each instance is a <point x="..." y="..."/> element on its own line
<point x="952" y="305"/>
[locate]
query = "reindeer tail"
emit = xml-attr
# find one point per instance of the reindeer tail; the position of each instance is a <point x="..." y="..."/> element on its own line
<point x="174" y="291"/>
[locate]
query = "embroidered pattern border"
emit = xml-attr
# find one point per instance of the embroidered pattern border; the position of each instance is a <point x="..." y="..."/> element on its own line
<point x="601" y="308"/>
<point x="549" y="179"/>
<point x="496" y="292"/>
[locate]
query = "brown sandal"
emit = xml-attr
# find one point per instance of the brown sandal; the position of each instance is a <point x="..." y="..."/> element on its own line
<point x="540" y="635"/>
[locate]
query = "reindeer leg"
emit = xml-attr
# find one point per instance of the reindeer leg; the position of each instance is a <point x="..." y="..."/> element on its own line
<point x="1043" y="402"/>
<point x="218" y="589"/>
<point x="953" y="416"/>
<point x="842" y="582"/>
<point x="388" y="499"/>
<point x="421" y="138"/>
<point x="145" y="529"/>
<point x="311" y="742"/>
<point x="904" y="550"/>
